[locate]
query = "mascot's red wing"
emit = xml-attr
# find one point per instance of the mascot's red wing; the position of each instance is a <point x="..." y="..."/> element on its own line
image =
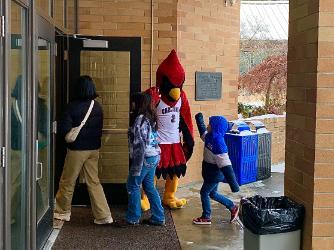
<point x="186" y="114"/>
<point x="186" y="127"/>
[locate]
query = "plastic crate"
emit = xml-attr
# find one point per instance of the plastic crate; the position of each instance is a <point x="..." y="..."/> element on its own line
<point x="264" y="151"/>
<point x="243" y="152"/>
<point x="264" y="161"/>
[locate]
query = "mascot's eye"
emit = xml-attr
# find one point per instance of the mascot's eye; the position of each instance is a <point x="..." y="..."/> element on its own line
<point x="167" y="84"/>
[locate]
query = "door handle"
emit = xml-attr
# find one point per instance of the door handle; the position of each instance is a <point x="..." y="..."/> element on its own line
<point x="39" y="171"/>
<point x="54" y="127"/>
<point x="3" y="157"/>
<point x="39" y="165"/>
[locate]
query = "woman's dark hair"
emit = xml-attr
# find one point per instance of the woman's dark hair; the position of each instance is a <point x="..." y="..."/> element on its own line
<point x="143" y="105"/>
<point x="85" y="88"/>
<point x="134" y="103"/>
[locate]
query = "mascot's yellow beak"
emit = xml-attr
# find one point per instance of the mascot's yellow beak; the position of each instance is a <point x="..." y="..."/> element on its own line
<point x="175" y="93"/>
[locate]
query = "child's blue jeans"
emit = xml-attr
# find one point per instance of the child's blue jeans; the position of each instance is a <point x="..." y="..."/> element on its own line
<point x="209" y="190"/>
<point x="146" y="179"/>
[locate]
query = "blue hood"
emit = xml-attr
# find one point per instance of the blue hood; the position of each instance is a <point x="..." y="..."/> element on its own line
<point x="214" y="140"/>
<point x="219" y="125"/>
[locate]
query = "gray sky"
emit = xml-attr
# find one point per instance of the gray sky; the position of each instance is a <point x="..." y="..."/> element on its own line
<point x="264" y="20"/>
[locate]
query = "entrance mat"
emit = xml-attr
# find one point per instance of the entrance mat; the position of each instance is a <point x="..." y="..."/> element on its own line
<point x="82" y="233"/>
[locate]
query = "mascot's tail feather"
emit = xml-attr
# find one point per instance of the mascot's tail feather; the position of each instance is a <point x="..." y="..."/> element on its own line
<point x="179" y="171"/>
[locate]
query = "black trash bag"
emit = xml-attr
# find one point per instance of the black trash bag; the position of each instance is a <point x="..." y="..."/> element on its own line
<point x="271" y="215"/>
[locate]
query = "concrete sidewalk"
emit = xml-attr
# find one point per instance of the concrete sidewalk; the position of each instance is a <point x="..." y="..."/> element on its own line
<point x="221" y="234"/>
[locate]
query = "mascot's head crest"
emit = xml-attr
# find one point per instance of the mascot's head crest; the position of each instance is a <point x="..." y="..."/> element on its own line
<point x="172" y="69"/>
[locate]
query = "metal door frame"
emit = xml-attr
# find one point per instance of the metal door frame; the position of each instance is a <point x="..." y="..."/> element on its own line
<point x="46" y="31"/>
<point x="115" y="192"/>
<point x="61" y="97"/>
<point x="5" y="45"/>
<point x="4" y="236"/>
<point x="27" y="66"/>
<point x="5" y="123"/>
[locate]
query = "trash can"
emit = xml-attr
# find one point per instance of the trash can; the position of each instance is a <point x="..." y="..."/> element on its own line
<point x="271" y="223"/>
<point x="242" y="147"/>
<point x="264" y="150"/>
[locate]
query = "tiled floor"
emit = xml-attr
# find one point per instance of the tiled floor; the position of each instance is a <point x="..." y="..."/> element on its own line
<point x="221" y="234"/>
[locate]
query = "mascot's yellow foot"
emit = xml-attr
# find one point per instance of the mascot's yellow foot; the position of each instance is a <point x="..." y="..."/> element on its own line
<point x="145" y="204"/>
<point x="175" y="203"/>
<point x="169" y="196"/>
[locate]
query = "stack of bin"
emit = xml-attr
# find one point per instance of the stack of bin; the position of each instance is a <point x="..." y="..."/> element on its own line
<point x="243" y="151"/>
<point x="264" y="150"/>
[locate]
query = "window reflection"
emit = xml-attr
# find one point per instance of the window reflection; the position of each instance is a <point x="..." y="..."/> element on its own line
<point x="44" y="6"/>
<point x="18" y="126"/>
<point x="43" y="127"/>
<point x="70" y="23"/>
<point x="59" y="12"/>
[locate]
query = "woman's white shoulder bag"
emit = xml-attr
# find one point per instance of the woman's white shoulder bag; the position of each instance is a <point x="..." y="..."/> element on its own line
<point x="72" y="135"/>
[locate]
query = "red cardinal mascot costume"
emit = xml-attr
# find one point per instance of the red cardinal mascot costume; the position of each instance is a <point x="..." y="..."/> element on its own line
<point x="174" y="119"/>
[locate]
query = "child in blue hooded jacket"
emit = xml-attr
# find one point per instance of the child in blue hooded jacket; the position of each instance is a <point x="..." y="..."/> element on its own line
<point x="216" y="166"/>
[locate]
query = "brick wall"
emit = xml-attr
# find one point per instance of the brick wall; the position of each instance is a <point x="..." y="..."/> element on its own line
<point x="132" y="18"/>
<point x="114" y="90"/>
<point x="128" y="18"/>
<point x="276" y="125"/>
<point x="323" y="206"/>
<point x="205" y="34"/>
<point x="208" y="40"/>
<point x="301" y="115"/>
<point x="309" y="174"/>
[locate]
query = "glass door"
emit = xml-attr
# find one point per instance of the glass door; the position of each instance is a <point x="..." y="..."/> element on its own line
<point x="61" y="100"/>
<point x="17" y="104"/>
<point x="110" y="71"/>
<point x="114" y="63"/>
<point x="43" y="128"/>
<point x="2" y="142"/>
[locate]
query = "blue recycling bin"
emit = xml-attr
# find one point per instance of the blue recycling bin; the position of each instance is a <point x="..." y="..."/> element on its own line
<point x="264" y="149"/>
<point x="243" y="151"/>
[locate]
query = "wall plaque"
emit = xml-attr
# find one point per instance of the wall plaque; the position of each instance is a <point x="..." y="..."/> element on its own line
<point x="208" y="85"/>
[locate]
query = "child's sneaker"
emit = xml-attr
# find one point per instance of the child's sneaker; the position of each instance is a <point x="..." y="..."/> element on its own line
<point x="202" y="221"/>
<point x="234" y="213"/>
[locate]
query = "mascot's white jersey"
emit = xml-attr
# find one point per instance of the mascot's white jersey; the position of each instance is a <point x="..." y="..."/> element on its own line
<point x="168" y="122"/>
